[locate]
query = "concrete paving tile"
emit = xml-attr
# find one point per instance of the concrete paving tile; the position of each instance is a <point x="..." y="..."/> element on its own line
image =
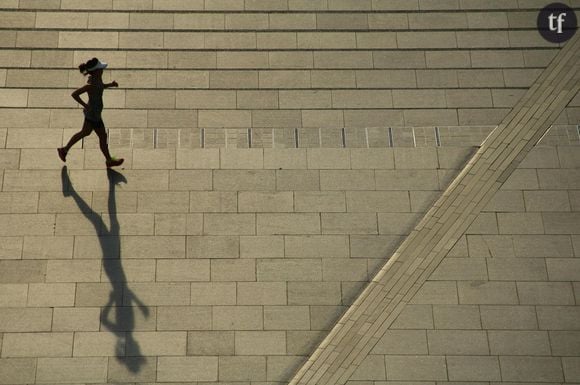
<point x="94" y="294"/>
<point x="275" y="270"/>
<point x="482" y="292"/>
<point x="187" y="369"/>
<point x="19" y="271"/>
<point x="344" y="269"/>
<point x="349" y="223"/>
<point x="371" y="368"/>
<point x="473" y="368"/>
<point x="76" y="319"/>
<point x="561" y="223"/>
<point x="507" y="200"/>
<point x="545" y="246"/>
<point x="51" y="294"/>
<point x="355" y="99"/>
<point x="326" y="40"/>
<point x="72" y="369"/>
<point x="509" y="317"/>
<point x="213" y="293"/>
<point x="299" y="342"/>
<point x="160" y="294"/>
<point x="258" y="343"/>
<point x="190" y="180"/>
<point x="13" y="295"/>
<point x="457" y="317"/>
<point x="153" y="247"/>
<point x="242" y="180"/>
<point x="242" y="368"/>
<point x="10" y="159"/>
<point x="213" y="201"/>
<point x="18" y="202"/>
<point x="347" y="180"/>
<point x="17" y="370"/>
<point x="329" y="79"/>
<point x="314" y="293"/>
<point x="265" y="201"/>
<point x="73" y="271"/>
<point x="233" y="270"/>
<point x="287" y="318"/>
<point x="437" y="292"/>
<point x="461" y="269"/>
<point x="406" y="180"/>
<point x="516" y="269"/>
<point x="230" y="40"/>
<point x="558" y="179"/>
<point x="325" y="317"/>
<point x="313" y="246"/>
<point x="47" y="247"/>
<point x="208" y="343"/>
<point x="299" y="180"/>
<point x="393" y="224"/>
<point x="556" y="200"/>
<point x="98" y="344"/>
<point x="564" y="343"/>
<point x="531" y="368"/>
<point x="176" y="224"/>
<point x="121" y="369"/>
<point x="213" y="247"/>
<point x="280" y="367"/>
<point x="180" y="270"/>
<point x="25" y="320"/>
<point x="427" y="367"/>
<point x="291" y="224"/>
<point x="229" y="224"/>
<point x="563" y="269"/>
<point x="402" y="342"/>
<point x="373" y="246"/>
<point x="529" y="343"/>
<point x="237" y="318"/>
<point x="486" y="223"/>
<point x="378" y="201"/>
<point x="171" y="318"/>
<point x="261" y="293"/>
<point x="164" y="202"/>
<point x="457" y="342"/>
<point x="262" y="247"/>
<point x="31" y="180"/>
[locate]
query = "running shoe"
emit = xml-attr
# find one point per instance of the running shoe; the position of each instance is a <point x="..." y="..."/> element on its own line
<point x="114" y="162"/>
<point x="61" y="154"/>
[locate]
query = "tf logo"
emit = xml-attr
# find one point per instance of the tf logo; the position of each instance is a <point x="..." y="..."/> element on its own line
<point x="557" y="22"/>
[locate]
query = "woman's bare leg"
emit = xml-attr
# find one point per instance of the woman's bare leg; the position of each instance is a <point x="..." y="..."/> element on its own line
<point x="85" y="131"/>
<point x="103" y="142"/>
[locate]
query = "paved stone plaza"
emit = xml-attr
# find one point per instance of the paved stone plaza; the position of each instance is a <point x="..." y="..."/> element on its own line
<point x="279" y="156"/>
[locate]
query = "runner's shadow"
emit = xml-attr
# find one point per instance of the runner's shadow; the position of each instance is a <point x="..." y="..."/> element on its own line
<point x="121" y="298"/>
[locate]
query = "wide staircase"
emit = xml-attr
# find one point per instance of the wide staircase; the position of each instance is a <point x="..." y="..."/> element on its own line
<point x="278" y="152"/>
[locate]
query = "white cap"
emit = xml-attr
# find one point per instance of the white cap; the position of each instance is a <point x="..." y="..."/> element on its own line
<point x="99" y="66"/>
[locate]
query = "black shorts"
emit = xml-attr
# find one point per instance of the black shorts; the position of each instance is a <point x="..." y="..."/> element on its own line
<point x="95" y="123"/>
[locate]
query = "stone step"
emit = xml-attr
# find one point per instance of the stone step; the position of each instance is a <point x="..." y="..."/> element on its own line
<point x="314" y="20"/>
<point x="158" y="40"/>
<point x="507" y="59"/>
<point x="264" y="118"/>
<point x="275" y="5"/>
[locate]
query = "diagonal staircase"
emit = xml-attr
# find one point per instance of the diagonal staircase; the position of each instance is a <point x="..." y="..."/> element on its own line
<point x="382" y="301"/>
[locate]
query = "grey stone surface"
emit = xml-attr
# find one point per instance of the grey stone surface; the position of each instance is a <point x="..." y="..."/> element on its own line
<point x="230" y="263"/>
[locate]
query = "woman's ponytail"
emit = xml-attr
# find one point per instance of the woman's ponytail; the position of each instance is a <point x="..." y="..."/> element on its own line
<point x="85" y="66"/>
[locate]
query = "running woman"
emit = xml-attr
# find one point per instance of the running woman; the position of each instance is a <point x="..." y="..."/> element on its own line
<point x="93" y="121"/>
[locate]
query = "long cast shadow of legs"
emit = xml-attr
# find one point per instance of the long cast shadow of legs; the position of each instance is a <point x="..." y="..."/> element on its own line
<point x="121" y="297"/>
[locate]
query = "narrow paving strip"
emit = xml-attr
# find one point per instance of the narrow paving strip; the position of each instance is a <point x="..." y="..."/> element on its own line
<point x="373" y="312"/>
